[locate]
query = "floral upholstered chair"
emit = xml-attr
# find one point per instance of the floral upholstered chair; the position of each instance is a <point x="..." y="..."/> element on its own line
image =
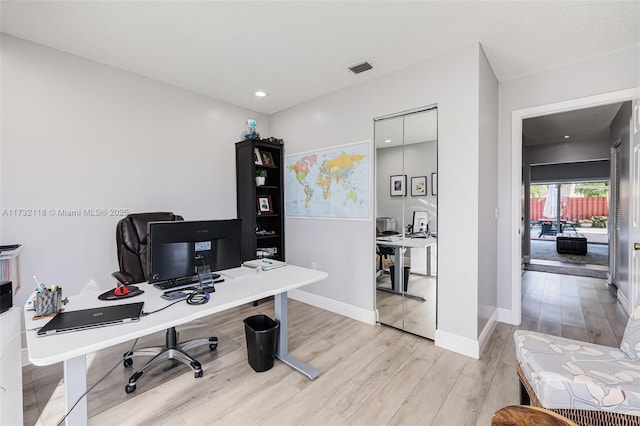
<point x="587" y="383"/>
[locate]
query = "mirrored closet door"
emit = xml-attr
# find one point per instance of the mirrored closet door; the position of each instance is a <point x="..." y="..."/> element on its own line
<point x="406" y="205"/>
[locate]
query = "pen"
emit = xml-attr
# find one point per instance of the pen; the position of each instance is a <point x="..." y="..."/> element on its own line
<point x="267" y="262"/>
<point x="40" y="287"/>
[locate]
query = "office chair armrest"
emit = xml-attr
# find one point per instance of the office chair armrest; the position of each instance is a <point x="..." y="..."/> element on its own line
<point x="123" y="277"/>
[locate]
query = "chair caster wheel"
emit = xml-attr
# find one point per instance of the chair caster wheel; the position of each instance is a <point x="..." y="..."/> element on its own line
<point x="127" y="362"/>
<point x="213" y="343"/>
<point x="130" y="388"/>
<point x="197" y="374"/>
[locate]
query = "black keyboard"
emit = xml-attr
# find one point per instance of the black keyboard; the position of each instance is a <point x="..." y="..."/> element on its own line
<point x="181" y="282"/>
<point x="209" y="288"/>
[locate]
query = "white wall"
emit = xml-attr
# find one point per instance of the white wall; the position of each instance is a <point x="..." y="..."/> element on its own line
<point x="345" y="249"/>
<point x="609" y="73"/>
<point x="488" y="196"/>
<point x="420" y="159"/>
<point x="77" y="134"/>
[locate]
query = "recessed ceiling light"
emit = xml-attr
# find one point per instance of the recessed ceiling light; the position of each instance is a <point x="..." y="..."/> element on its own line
<point x="566" y="136"/>
<point x="260" y="94"/>
<point x="387" y="140"/>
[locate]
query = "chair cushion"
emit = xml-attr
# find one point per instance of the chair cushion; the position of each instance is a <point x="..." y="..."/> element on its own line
<point x="630" y="344"/>
<point x="571" y="374"/>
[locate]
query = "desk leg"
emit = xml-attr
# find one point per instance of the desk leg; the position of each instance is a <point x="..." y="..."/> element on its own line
<point x="75" y="384"/>
<point x="399" y="276"/>
<point x="399" y="270"/>
<point x="282" y="348"/>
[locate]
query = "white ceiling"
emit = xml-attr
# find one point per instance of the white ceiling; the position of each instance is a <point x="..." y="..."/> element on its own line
<point x="298" y="50"/>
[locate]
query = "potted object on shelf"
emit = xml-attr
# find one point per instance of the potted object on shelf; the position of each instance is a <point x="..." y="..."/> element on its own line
<point x="261" y="175"/>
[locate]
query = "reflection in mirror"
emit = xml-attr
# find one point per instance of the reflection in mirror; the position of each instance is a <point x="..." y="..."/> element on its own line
<point x="406" y="221"/>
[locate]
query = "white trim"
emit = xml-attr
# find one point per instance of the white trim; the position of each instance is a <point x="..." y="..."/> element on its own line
<point x="623" y="301"/>
<point x="487" y="331"/>
<point x="350" y="311"/>
<point x="506" y="316"/>
<point x="459" y="344"/>
<point x="25" y="357"/>
<point x="516" y="175"/>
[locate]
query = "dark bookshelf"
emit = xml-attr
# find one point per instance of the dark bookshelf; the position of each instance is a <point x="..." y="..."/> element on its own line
<point x="253" y="220"/>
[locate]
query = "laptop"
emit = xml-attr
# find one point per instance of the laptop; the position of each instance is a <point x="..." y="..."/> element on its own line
<point x="92" y="318"/>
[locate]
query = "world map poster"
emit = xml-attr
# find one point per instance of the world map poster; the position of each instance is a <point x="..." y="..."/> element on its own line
<point x="331" y="183"/>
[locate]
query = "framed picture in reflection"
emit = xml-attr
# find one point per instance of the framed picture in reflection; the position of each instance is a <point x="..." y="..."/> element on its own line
<point x="398" y="185"/>
<point x="418" y="186"/>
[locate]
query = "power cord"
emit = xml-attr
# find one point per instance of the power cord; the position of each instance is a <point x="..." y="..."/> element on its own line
<point x="197" y="296"/>
<point x="144" y="314"/>
<point x="200" y="296"/>
<point x="9" y="341"/>
<point x="94" y="385"/>
<point x="2" y="388"/>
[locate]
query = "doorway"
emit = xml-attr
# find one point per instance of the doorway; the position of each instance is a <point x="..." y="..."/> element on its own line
<point x="516" y="203"/>
<point x="568" y="228"/>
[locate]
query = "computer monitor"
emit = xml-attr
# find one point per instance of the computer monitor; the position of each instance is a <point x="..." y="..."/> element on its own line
<point x="420" y="222"/>
<point x="183" y="249"/>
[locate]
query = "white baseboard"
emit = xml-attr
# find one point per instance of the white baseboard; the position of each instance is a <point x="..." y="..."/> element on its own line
<point x="459" y="344"/>
<point x="487" y="331"/>
<point x="331" y="305"/>
<point x="464" y="345"/>
<point x="506" y="316"/>
<point x="622" y="298"/>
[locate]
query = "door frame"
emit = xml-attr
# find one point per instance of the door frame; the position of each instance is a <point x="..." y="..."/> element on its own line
<point x="517" y="116"/>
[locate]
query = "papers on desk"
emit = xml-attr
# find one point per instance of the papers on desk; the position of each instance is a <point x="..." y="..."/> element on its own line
<point x="264" y="264"/>
<point x="237" y="273"/>
<point x="395" y="238"/>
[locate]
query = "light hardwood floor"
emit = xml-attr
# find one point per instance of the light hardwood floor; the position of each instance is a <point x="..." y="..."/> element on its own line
<point x="370" y="375"/>
<point x="414" y="315"/>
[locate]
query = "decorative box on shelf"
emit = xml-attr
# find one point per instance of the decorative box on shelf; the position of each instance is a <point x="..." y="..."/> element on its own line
<point x="270" y="252"/>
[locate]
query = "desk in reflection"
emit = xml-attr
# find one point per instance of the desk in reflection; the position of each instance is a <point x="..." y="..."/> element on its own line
<point x="420" y="247"/>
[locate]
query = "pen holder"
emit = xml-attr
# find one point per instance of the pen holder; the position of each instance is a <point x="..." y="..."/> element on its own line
<point x="48" y="303"/>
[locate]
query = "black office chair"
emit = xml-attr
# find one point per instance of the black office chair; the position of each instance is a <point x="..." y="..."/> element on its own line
<point x="131" y="239"/>
<point x="384" y="252"/>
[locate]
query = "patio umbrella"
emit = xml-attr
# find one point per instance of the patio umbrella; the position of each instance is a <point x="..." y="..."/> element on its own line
<point x="551" y="203"/>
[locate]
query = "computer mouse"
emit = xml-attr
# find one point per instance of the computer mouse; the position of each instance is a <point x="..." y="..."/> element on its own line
<point x="121" y="291"/>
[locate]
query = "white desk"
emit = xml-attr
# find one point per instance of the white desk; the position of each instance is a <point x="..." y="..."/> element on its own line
<point x="71" y="348"/>
<point x="399" y="244"/>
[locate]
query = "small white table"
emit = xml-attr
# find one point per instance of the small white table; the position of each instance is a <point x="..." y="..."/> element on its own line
<point x="399" y="244"/>
<point x="71" y="348"/>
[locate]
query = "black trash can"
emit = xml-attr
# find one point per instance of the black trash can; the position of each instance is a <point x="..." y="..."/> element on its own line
<point x="262" y="334"/>
<point x="392" y="272"/>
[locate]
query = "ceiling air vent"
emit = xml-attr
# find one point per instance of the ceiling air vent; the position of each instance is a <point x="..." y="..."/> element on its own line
<point x="362" y="67"/>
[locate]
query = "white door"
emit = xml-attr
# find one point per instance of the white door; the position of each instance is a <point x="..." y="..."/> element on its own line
<point x="634" y="199"/>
